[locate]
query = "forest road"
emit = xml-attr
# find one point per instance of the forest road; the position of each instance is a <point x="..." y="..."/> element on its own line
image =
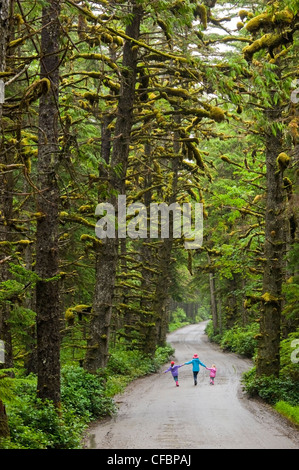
<point x="155" y="414"/>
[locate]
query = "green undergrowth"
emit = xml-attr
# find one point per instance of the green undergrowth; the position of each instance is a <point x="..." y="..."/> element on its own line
<point x="280" y="392"/>
<point x="271" y="389"/>
<point x="239" y="339"/>
<point x="289" y="411"/>
<point x="85" y="397"/>
<point x="125" y="366"/>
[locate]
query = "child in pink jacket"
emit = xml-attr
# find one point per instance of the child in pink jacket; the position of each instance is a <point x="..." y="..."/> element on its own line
<point x="212" y="373"/>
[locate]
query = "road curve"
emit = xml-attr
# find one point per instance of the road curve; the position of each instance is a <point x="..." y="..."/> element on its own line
<point x="155" y="414"/>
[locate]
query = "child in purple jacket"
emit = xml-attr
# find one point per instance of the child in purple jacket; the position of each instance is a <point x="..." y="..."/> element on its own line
<point x="175" y="372"/>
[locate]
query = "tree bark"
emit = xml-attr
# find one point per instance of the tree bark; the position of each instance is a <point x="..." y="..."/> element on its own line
<point x="213" y="298"/>
<point x="5" y="207"/>
<point x="107" y="255"/>
<point x="47" y="291"/>
<point x="6" y="183"/>
<point x="4" y="429"/>
<point x="268" y="359"/>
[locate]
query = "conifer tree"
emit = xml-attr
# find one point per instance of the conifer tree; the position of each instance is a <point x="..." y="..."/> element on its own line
<point x="47" y="256"/>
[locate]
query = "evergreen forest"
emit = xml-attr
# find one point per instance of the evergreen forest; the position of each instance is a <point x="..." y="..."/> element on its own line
<point x="188" y="102"/>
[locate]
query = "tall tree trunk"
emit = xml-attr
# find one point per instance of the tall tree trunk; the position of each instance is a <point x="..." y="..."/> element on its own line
<point x="148" y="320"/>
<point x="268" y="359"/>
<point x="107" y="255"/>
<point x="161" y="299"/>
<point x="6" y="190"/>
<point x="5" y="206"/>
<point x="47" y="291"/>
<point x="213" y="298"/>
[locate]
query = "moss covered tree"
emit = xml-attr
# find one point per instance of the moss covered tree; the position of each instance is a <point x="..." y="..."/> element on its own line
<point x="47" y="255"/>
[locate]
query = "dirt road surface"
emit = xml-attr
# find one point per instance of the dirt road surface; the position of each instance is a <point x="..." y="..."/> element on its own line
<point x="155" y="414"/>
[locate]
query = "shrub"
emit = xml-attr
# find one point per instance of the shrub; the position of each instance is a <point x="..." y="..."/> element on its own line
<point x="241" y="340"/>
<point x="124" y="366"/>
<point x="84" y="393"/>
<point x="288" y="356"/>
<point x="271" y="389"/>
<point x="37" y="424"/>
<point x="290" y="412"/>
<point x="178" y="319"/>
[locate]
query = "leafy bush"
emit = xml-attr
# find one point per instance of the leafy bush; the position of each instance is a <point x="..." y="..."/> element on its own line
<point x="212" y="335"/>
<point x="178" y="319"/>
<point x="270" y="388"/>
<point x="241" y="340"/>
<point x="289" y="357"/>
<point x="290" y="412"/>
<point x="36" y="424"/>
<point x="163" y="354"/>
<point x="84" y="393"/>
<point x="124" y="366"/>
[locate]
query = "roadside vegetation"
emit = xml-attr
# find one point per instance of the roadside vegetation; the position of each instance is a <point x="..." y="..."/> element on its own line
<point x="192" y="102"/>
<point x="281" y="392"/>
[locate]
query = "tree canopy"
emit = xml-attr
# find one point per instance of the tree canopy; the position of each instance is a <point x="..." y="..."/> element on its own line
<point x="161" y="102"/>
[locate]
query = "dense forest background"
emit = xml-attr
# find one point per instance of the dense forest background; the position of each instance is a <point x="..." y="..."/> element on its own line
<point x="161" y="101"/>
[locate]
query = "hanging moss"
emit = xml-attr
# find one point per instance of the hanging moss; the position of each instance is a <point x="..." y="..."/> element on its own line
<point x="198" y="158"/>
<point x="16" y="42"/>
<point x="288" y="185"/>
<point x="283" y="161"/>
<point x="201" y="12"/>
<point x="217" y="114"/>
<point x="112" y="85"/>
<point x="95" y="242"/>
<point x="91" y="97"/>
<point x="226" y="159"/>
<point x="6" y="74"/>
<point x="164" y="28"/>
<point x="243" y="14"/>
<point x="180" y="92"/>
<point x="69" y="316"/>
<point x="80" y="310"/>
<point x="260" y="21"/>
<point x="268" y="20"/>
<point x="283" y="17"/>
<point x="268" y="41"/>
<point x="86" y="208"/>
<point x="106" y="38"/>
<point x="268" y="298"/>
<point x="35" y="91"/>
<point x="19" y="242"/>
<point x="76" y="218"/>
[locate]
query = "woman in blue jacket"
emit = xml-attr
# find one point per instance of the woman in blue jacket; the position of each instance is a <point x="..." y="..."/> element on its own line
<point x="195" y="366"/>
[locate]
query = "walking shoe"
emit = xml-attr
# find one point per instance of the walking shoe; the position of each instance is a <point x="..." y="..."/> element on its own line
<point x="195" y="382"/>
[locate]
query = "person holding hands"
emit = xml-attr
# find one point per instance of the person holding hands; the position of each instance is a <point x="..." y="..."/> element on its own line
<point x="174" y="371"/>
<point x="195" y="366"/>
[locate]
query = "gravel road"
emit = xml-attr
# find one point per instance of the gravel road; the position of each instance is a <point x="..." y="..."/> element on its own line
<point x="155" y="414"/>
